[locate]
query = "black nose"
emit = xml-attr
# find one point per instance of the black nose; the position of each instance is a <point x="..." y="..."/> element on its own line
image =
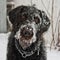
<point x="27" y="32"/>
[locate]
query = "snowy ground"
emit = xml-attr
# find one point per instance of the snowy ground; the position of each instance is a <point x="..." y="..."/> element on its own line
<point x="51" y="55"/>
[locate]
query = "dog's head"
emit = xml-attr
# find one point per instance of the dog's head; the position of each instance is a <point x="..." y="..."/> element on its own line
<point x="28" y="23"/>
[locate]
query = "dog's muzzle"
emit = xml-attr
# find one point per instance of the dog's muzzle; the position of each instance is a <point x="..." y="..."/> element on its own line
<point x="27" y="32"/>
<point x="26" y="35"/>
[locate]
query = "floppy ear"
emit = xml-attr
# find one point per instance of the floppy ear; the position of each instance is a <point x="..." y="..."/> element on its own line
<point x="45" y="22"/>
<point x="13" y="14"/>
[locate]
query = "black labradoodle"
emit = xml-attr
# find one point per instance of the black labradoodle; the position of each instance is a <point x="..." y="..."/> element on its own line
<point x="26" y="41"/>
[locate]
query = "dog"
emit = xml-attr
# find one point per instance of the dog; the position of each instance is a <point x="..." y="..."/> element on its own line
<point x="26" y="39"/>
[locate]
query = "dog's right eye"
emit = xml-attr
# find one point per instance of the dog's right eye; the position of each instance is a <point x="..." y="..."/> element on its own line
<point x="37" y="20"/>
<point x="24" y="16"/>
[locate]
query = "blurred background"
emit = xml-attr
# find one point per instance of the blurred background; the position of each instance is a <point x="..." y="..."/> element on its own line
<point x="52" y="9"/>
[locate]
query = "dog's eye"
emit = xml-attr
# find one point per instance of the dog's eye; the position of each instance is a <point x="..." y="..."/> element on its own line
<point x="24" y="16"/>
<point x="37" y="20"/>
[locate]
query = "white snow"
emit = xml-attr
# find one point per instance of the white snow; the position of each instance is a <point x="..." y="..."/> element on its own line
<point x="51" y="55"/>
<point x="3" y="45"/>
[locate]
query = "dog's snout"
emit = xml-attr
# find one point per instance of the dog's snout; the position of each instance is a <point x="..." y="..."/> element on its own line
<point x="27" y="32"/>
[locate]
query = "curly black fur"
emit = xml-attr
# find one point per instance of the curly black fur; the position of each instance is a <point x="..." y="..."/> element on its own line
<point x="17" y="20"/>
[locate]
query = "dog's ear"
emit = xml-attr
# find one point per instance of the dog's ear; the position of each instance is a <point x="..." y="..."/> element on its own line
<point x="14" y="15"/>
<point x="45" y="21"/>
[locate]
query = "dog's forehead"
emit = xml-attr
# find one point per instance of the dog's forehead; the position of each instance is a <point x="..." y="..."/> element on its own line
<point x="30" y="10"/>
<point x="29" y="13"/>
<point x="33" y="10"/>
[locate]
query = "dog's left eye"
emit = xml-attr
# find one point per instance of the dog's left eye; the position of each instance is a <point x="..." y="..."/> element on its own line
<point x="37" y="20"/>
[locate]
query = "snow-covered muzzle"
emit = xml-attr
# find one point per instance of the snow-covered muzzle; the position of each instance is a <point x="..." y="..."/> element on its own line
<point x="26" y="35"/>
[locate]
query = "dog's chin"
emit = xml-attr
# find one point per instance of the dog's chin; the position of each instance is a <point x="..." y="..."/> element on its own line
<point x="26" y="43"/>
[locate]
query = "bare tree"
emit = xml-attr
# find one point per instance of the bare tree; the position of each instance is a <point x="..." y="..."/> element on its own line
<point x="46" y="9"/>
<point x="52" y="12"/>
